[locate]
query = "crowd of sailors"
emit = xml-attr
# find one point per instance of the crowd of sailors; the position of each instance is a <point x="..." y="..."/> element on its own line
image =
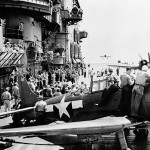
<point x="46" y="84"/>
<point x="10" y="47"/>
<point x="56" y="83"/>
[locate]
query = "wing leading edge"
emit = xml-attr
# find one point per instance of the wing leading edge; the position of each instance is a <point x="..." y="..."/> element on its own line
<point x="104" y="125"/>
<point x="16" y="111"/>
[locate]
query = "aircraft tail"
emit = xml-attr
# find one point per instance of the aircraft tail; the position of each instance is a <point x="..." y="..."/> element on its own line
<point x="27" y="96"/>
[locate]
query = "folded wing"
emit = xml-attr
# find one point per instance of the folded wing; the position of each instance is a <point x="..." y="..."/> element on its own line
<point x="104" y="125"/>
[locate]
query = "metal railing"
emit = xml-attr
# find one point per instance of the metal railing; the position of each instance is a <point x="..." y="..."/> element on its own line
<point x="99" y="84"/>
<point x="14" y="33"/>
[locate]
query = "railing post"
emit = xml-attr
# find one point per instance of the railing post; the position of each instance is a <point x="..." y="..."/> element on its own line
<point x="99" y="82"/>
<point x="91" y="84"/>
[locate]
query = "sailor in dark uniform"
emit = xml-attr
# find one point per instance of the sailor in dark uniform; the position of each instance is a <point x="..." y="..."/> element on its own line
<point x="127" y="83"/>
<point x="110" y="90"/>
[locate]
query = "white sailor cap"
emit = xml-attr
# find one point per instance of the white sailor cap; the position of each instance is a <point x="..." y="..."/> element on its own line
<point x="145" y="68"/>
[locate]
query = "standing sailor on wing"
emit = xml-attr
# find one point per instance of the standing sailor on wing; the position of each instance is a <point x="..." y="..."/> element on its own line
<point x="138" y="90"/>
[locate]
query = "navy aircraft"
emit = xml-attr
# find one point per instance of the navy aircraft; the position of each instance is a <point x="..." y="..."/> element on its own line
<point x="66" y="107"/>
<point x="105" y="56"/>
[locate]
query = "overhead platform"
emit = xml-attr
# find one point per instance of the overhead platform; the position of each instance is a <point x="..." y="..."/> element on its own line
<point x="31" y="5"/>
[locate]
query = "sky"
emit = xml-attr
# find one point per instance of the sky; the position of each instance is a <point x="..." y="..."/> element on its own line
<point x="118" y="28"/>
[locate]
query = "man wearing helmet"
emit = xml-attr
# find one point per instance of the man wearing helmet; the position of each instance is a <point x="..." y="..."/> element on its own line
<point x="112" y="80"/>
<point x="112" y="88"/>
<point x="138" y="89"/>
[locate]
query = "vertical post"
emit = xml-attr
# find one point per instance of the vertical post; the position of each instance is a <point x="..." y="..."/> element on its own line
<point x="99" y="82"/>
<point x="122" y="140"/>
<point x="91" y="84"/>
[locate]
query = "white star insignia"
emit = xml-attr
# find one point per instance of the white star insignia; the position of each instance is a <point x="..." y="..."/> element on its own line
<point x="62" y="107"/>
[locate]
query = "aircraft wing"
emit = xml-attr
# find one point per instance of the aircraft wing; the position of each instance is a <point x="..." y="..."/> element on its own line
<point x="104" y="125"/>
<point x="16" y="111"/>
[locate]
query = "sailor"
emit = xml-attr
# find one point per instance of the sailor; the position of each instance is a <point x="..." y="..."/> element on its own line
<point x="40" y="109"/>
<point x="126" y="84"/>
<point x="85" y="89"/>
<point x="111" y="88"/>
<point x="112" y="79"/>
<point x="92" y="73"/>
<point x="15" y="92"/>
<point x="57" y="93"/>
<point x="49" y="91"/>
<point x="31" y="84"/>
<point x="6" y="97"/>
<point x="82" y="86"/>
<point x="138" y="90"/>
